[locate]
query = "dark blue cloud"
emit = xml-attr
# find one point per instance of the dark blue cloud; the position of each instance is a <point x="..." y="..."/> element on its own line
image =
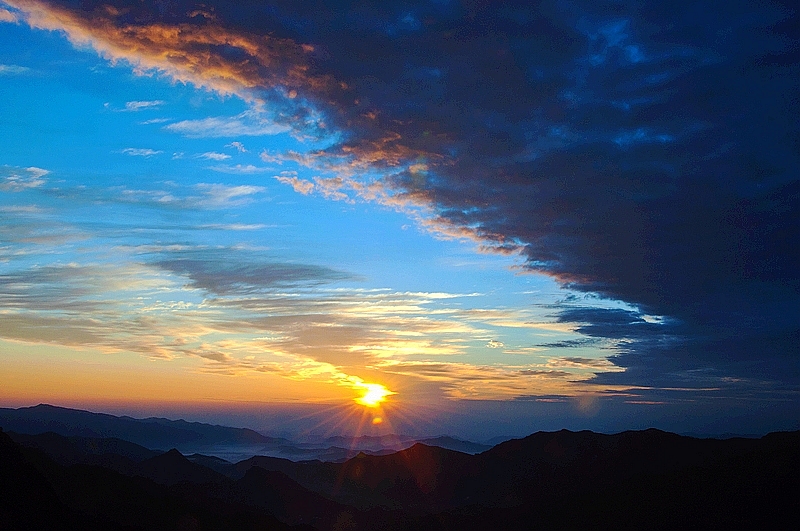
<point x="648" y="152"/>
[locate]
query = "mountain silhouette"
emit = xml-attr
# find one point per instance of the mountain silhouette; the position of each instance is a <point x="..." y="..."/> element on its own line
<point x="156" y="433"/>
<point x="41" y="494"/>
<point x="566" y="479"/>
<point x="548" y="480"/>
<point x="172" y="467"/>
<point x="26" y="492"/>
<point x="115" y="454"/>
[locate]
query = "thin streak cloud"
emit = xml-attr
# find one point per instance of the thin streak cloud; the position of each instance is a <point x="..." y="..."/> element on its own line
<point x="140" y="152"/>
<point x="136" y="106"/>
<point x="225" y="127"/>
<point x="13" y="70"/>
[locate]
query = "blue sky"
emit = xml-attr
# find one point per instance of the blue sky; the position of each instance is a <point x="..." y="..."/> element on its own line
<point x="580" y="214"/>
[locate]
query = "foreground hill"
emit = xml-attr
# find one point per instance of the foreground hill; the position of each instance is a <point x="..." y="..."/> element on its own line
<point x="640" y="479"/>
<point x="38" y="494"/>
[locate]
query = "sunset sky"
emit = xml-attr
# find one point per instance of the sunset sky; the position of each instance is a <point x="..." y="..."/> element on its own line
<point x="497" y="217"/>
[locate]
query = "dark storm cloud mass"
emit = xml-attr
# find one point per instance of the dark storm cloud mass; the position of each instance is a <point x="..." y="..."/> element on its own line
<point x="644" y="151"/>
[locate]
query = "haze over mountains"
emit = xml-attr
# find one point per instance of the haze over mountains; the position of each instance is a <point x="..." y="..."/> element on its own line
<point x="561" y="479"/>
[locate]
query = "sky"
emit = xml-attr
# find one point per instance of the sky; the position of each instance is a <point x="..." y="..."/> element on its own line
<point x="495" y="217"/>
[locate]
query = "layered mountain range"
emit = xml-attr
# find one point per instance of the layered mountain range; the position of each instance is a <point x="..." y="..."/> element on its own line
<point x="233" y="444"/>
<point x="635" y="479"/>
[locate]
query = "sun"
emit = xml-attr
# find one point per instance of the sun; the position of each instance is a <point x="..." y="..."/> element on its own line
<point x="373" y="395"/>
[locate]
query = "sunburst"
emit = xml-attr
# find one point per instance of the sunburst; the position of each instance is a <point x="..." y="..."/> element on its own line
<point x="374" y="394"/>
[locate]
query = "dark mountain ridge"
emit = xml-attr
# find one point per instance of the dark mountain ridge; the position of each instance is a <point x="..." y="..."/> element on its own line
<point x="151" y="432"/>
<point x="564" y="479"/>
<point x="531" y="477"/>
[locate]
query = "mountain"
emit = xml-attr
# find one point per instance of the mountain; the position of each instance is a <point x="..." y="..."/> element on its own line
<point x="72" y="450"/>
<point x="639" y="479"/>
<point x="26" y="492"/>
<point x="458" y="445"/>
<point x="230" y="444"/>
<point x="155" y="433"/>
<point x="172" y="467"/>
<point x="566" y="479"/>
<point x="376" y="445"/>
<point x="38" y="493"/>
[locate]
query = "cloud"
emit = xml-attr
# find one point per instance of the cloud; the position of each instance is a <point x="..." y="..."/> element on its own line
<point x="154" y="121"/>
<point x="237" y="311"/>
<point x="211" y="155"/>
<point x="7" y="16"/>
<point x="245" y="124"/>
<point x="235" y="226"/>
<point x="638" y="152"/>
<point x="13" y="70"/>
<point x="140" y="152"/>
<point x="20" y="179"/>
<point x="273" y="158"/>
<point x="300" y="185"/>
<point x="572" y="343"/>
<point x="600" y="364"/>
<point x="203" y="196"/>
<point x="215" y="273"/>
<point x="240" y="169"/>
<point x="142" y="105"/>
<point x="220" y="195"/>
<point x="238" y="146"/>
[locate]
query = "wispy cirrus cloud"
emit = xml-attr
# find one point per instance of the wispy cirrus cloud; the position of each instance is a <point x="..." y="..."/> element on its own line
<point x="13" y="70"/>
<point x="235" y="226"/>
<point x="245" y="124"/>
<point x="240" y="169"/>
<point x="154" y="121"/>
<point x="213" y="155"/>
<point x="202" y="196"/>
<point x="217" y="195"/>
<point x="135" y="106"/>
<point x="140" y="152"/>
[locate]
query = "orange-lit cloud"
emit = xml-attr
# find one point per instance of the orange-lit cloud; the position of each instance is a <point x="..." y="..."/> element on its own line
<point x="7" y="16"/>
<point x="186" y="52"/>
<point x="300" y="185"/>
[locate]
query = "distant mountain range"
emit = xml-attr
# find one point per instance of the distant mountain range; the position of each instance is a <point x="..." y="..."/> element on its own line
<point x="150" y="432"/>
<point x="548" y="480"/>
<point x="232" y="444"/>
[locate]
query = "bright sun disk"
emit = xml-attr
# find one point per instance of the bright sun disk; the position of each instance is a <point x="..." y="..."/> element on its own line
<point x="373" y="395"/>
